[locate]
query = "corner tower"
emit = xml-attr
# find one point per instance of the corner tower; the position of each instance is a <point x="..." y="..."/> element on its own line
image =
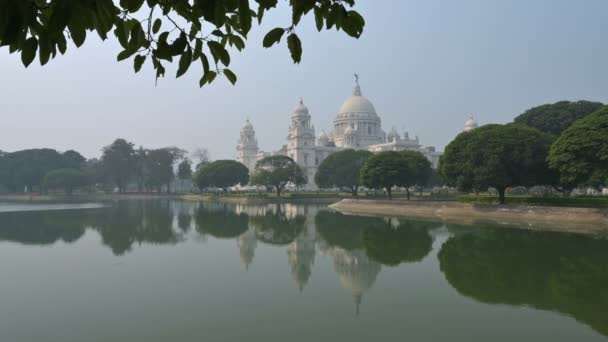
<point x="247" y="147"/>
<point x="301" y="141"/>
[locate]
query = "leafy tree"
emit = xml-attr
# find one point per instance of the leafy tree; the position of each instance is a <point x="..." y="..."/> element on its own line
<point x="276" y="172"/>
<point x="384" y="171"/>
<point x="73" y="160"/>
<point x="184" y="171"/>
<point x="342" y="170"/>
<point x="27" y="168"/>
<point x="66" y="179"/>
<point x="119" y="163"/>
<point x="158" y="167"/>
<point x="419" y="170"/>
<point x="580" y="154"/>
<point x="497" y="156"/>
<point x="222" y="174"/>
<point x="184" y="30"/>
<point x="555" y="118"/>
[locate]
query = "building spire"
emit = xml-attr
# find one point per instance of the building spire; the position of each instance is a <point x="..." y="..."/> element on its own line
<point x="357" y="91"/>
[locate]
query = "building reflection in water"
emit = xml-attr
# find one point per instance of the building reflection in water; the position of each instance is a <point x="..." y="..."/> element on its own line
<point x="357" y="272"/>
<point x="247" y="243"/>
<point x="357" y="245"/>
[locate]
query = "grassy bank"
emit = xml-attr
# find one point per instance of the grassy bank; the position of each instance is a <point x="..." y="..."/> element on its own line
<point x="554" y="201"/>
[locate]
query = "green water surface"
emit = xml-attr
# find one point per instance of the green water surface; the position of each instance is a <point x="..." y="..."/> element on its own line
<point x="164" y="270"/>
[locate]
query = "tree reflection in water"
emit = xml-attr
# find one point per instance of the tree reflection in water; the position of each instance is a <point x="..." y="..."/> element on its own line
<point x="43" y="227"/>
<point x="277" y="226"/>
<point x="129" y="222"/>
<point x="220" y="220"/>
<point x="404" y="241"/>
<point x="549" y="271"/>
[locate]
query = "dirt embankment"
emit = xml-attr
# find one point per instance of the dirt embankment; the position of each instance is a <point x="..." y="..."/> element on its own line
<point x="578" y="220"/>
<point x="260" y="200"/>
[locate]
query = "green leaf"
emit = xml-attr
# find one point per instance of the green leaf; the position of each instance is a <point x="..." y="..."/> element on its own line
<point x="319" y="18"/>
<point x="28" y="52"/>
<point x="61" y="44"/>
<point x="44" y="49"/>
<point x="295" y="47"/>
<point x="121" y="33"/>
<point x="273" y="37"/>
<point x="156" y="25"/>
<point x="205" y="63"/>
<point x="178" y="46"/>
<point x="131" y="5"/>
<point x="198" y="49"/>
<point x="77" y="31"/>
<point x="353" y="24"/>
<point x="244" y="16"/>
<point x="237" y="41"/>
<point x="230" y="76"/>
<point x="208" y="77"/>
<point x="184" y="63"/>
<point x="219" y="52"/>
<point x="125" y="54"/>
<point x="138" y="62"/>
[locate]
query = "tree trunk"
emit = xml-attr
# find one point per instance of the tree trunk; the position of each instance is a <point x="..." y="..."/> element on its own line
<point x="501" y="195"/>
<point x="278" y="191"/>
<point x="407" y="191"/>
<point x="353" y="191"/>
<point x="390" y="195"/>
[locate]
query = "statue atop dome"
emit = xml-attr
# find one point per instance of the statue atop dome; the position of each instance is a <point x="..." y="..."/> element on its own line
<point x="357" y="91"/>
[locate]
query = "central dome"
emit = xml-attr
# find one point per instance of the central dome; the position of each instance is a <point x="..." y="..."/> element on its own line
<point x="357" y="104"/>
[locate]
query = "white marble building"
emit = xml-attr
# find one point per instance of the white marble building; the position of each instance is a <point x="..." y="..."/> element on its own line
<point x="356" y="125"/>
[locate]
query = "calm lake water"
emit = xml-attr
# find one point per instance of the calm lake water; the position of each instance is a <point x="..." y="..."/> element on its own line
<point x="165" y="270"/>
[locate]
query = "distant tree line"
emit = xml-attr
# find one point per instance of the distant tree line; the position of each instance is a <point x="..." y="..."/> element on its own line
<point x="120" y="166"/>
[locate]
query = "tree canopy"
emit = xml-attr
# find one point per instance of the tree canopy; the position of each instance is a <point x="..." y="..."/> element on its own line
<point x="159" y="31"/>
<point x="276" y="172"/>
<point x="342" y="170"/>
<point x="420" y="170"/>
<point x="27" y="168"/>
<point x="555" y="118"/>
<point x="386" y="170"/>
<point x="580" y="154"/>
<point x="222" y="174"/>
<point x="66" y="179"/>
<point x="497" y="156"/>
<point x="119" y="163"/>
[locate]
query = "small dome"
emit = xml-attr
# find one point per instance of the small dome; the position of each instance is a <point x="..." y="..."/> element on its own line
<point x="300" y="109"/>
<point x="323" y="135"/>
<point x="349" y="131"/>
<point x="247" y="126"/>
<point x="470" y="124"/>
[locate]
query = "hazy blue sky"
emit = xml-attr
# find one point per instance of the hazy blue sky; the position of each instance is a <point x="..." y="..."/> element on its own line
<point x="424" y="64"/>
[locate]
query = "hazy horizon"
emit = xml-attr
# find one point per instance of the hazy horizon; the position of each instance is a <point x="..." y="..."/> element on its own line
<point x="425" y="65"/>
